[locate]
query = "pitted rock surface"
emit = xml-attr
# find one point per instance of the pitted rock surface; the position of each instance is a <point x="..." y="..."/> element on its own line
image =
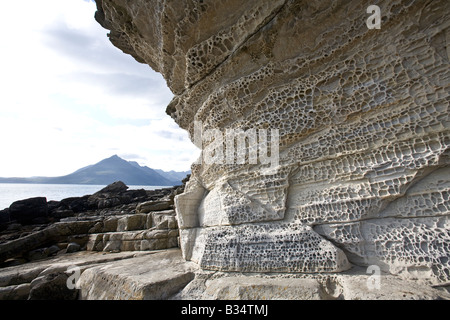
<point x="363" y="122"/>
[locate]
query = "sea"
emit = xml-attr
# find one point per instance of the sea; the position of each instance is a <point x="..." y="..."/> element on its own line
<point x="10" y="192"/>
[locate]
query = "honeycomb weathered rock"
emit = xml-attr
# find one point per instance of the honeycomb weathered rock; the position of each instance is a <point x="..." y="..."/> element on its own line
<point x="363" y="123"/>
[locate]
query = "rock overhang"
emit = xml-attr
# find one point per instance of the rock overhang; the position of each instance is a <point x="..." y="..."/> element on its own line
<point x="362" y="116"/>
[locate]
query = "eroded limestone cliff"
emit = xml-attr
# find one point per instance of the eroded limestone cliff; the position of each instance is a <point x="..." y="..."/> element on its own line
<point x="363" y="173"/>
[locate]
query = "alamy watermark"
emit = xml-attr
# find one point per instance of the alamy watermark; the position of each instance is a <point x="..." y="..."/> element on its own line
<point x="374" y="281"/>
<point x="73" y="281"/>
<point x="374" y="20"/>
<point x="236" y="146"/>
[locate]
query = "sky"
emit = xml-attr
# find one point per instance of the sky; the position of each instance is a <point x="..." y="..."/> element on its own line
<point x="69" y="98"/>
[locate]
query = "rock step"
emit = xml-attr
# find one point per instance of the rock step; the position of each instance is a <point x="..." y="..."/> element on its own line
<point x="155" y="276"/>
<point x="20" y="282"/>
<point x="128" y="222"/>
<point x="135" y="232"/>
<point x="141" y="240"/>
<point x="79" y="232"/>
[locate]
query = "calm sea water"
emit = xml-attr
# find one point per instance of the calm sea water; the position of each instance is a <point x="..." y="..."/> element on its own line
<point x="10" y="192"/>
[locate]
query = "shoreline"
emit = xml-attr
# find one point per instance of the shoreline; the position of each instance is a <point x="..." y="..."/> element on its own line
<point x="12" y="192"/>
<point x="86" y="214"/>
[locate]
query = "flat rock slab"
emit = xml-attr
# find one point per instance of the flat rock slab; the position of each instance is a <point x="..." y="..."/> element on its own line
<point x="155" y="276"/>
<point x="26" y="273"/>
<point x="354" y="284"/>
<point x="254" y="288"/>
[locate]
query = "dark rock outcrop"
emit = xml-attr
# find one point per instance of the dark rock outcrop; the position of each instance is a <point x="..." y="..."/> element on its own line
<point x="4" y="218"/>
<point x="114" y="187"/>
<point x="29" y="210"/>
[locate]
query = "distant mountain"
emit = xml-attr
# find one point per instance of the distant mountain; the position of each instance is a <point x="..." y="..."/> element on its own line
<point x="105" y="172"/>
<point x="173" y="175"/>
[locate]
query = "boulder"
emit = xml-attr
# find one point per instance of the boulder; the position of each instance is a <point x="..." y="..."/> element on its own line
<point x="110" y="224"/>
<point x="4" y="218"/>
<point x="52" y="286"/>
<point x="52" y="250"/>
<point x="163" y="220"/>
<point x="58" y="210"/>
<point x="108" y="202"/>
<point x="149" y="206"/>
<point x="25" y="211"/>
<point x="37" y="254"/>
<point x="136" y="195"/>
<point x="79" y="204"/>
<point x="74" y="204"/>
<point x="132" y="222"/>
<point x="115" y="187"/>
<point x="111" y="196"/>
<point x="42" y="253"/>
<point x="73" y="247"/>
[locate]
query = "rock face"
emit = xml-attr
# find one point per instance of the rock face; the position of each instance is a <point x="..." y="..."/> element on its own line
<point x="362" y="173"/>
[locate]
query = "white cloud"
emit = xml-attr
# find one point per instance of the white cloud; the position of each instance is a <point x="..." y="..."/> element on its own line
<point x="69" y="98"/>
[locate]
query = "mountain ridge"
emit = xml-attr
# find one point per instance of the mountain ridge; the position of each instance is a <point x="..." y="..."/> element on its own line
<point x="108" y="171"/>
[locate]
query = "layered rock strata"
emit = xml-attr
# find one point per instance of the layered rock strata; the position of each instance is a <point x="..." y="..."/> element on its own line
<point x="363" y="175"/>
<point x="164" y="274"/>
<point x="111" y="220"/>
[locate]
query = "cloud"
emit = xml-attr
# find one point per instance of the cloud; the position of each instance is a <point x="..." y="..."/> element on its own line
<point x="131" y="156"/>
<point x="70" y="98"/>
<point x="122" y="84"/>
<point x="90" y="49"/>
